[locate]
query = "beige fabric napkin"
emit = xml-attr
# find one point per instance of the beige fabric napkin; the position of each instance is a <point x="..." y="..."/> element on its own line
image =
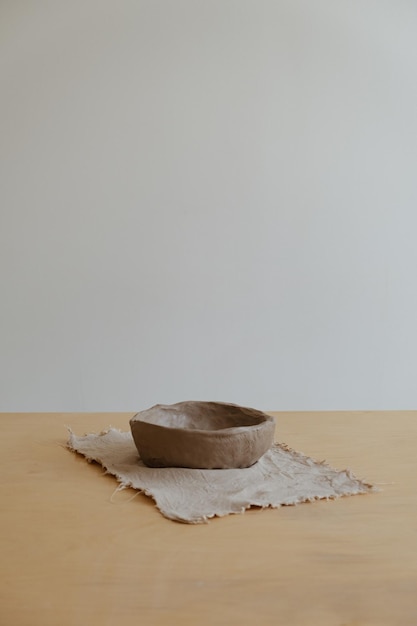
<point x="281" y="477"/>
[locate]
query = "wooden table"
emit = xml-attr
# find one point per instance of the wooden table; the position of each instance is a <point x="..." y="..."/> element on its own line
<point x="73" y="555"/>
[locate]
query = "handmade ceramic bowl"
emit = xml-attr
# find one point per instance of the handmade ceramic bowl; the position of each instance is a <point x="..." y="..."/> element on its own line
<point x="202" y="435"/>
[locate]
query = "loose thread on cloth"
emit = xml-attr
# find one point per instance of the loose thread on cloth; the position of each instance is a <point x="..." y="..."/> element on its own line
<point x="119" y="488"/>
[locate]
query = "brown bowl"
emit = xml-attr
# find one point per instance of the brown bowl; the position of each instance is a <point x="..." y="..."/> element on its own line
<point x="202" y="435"/>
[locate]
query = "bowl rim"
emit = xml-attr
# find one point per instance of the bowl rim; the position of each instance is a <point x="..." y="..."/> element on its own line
<point x="267" y="419"/>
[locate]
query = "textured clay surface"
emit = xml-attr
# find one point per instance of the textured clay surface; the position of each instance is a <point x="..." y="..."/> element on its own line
<point x="202" y="435"/>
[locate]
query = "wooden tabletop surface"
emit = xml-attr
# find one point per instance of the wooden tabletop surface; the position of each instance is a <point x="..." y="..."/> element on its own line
<point x="75" y="553"/>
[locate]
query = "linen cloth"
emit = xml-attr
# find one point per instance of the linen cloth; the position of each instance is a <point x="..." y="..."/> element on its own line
<point x="281" y="477"/>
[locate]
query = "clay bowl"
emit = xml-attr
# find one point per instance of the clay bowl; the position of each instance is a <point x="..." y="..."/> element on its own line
<point x="202" y="435"/>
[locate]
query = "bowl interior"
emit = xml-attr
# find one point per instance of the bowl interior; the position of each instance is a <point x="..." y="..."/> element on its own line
<point x="201" y="416"/>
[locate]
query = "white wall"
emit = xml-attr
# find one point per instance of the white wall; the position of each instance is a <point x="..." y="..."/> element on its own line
<point x="208" y="199"/>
